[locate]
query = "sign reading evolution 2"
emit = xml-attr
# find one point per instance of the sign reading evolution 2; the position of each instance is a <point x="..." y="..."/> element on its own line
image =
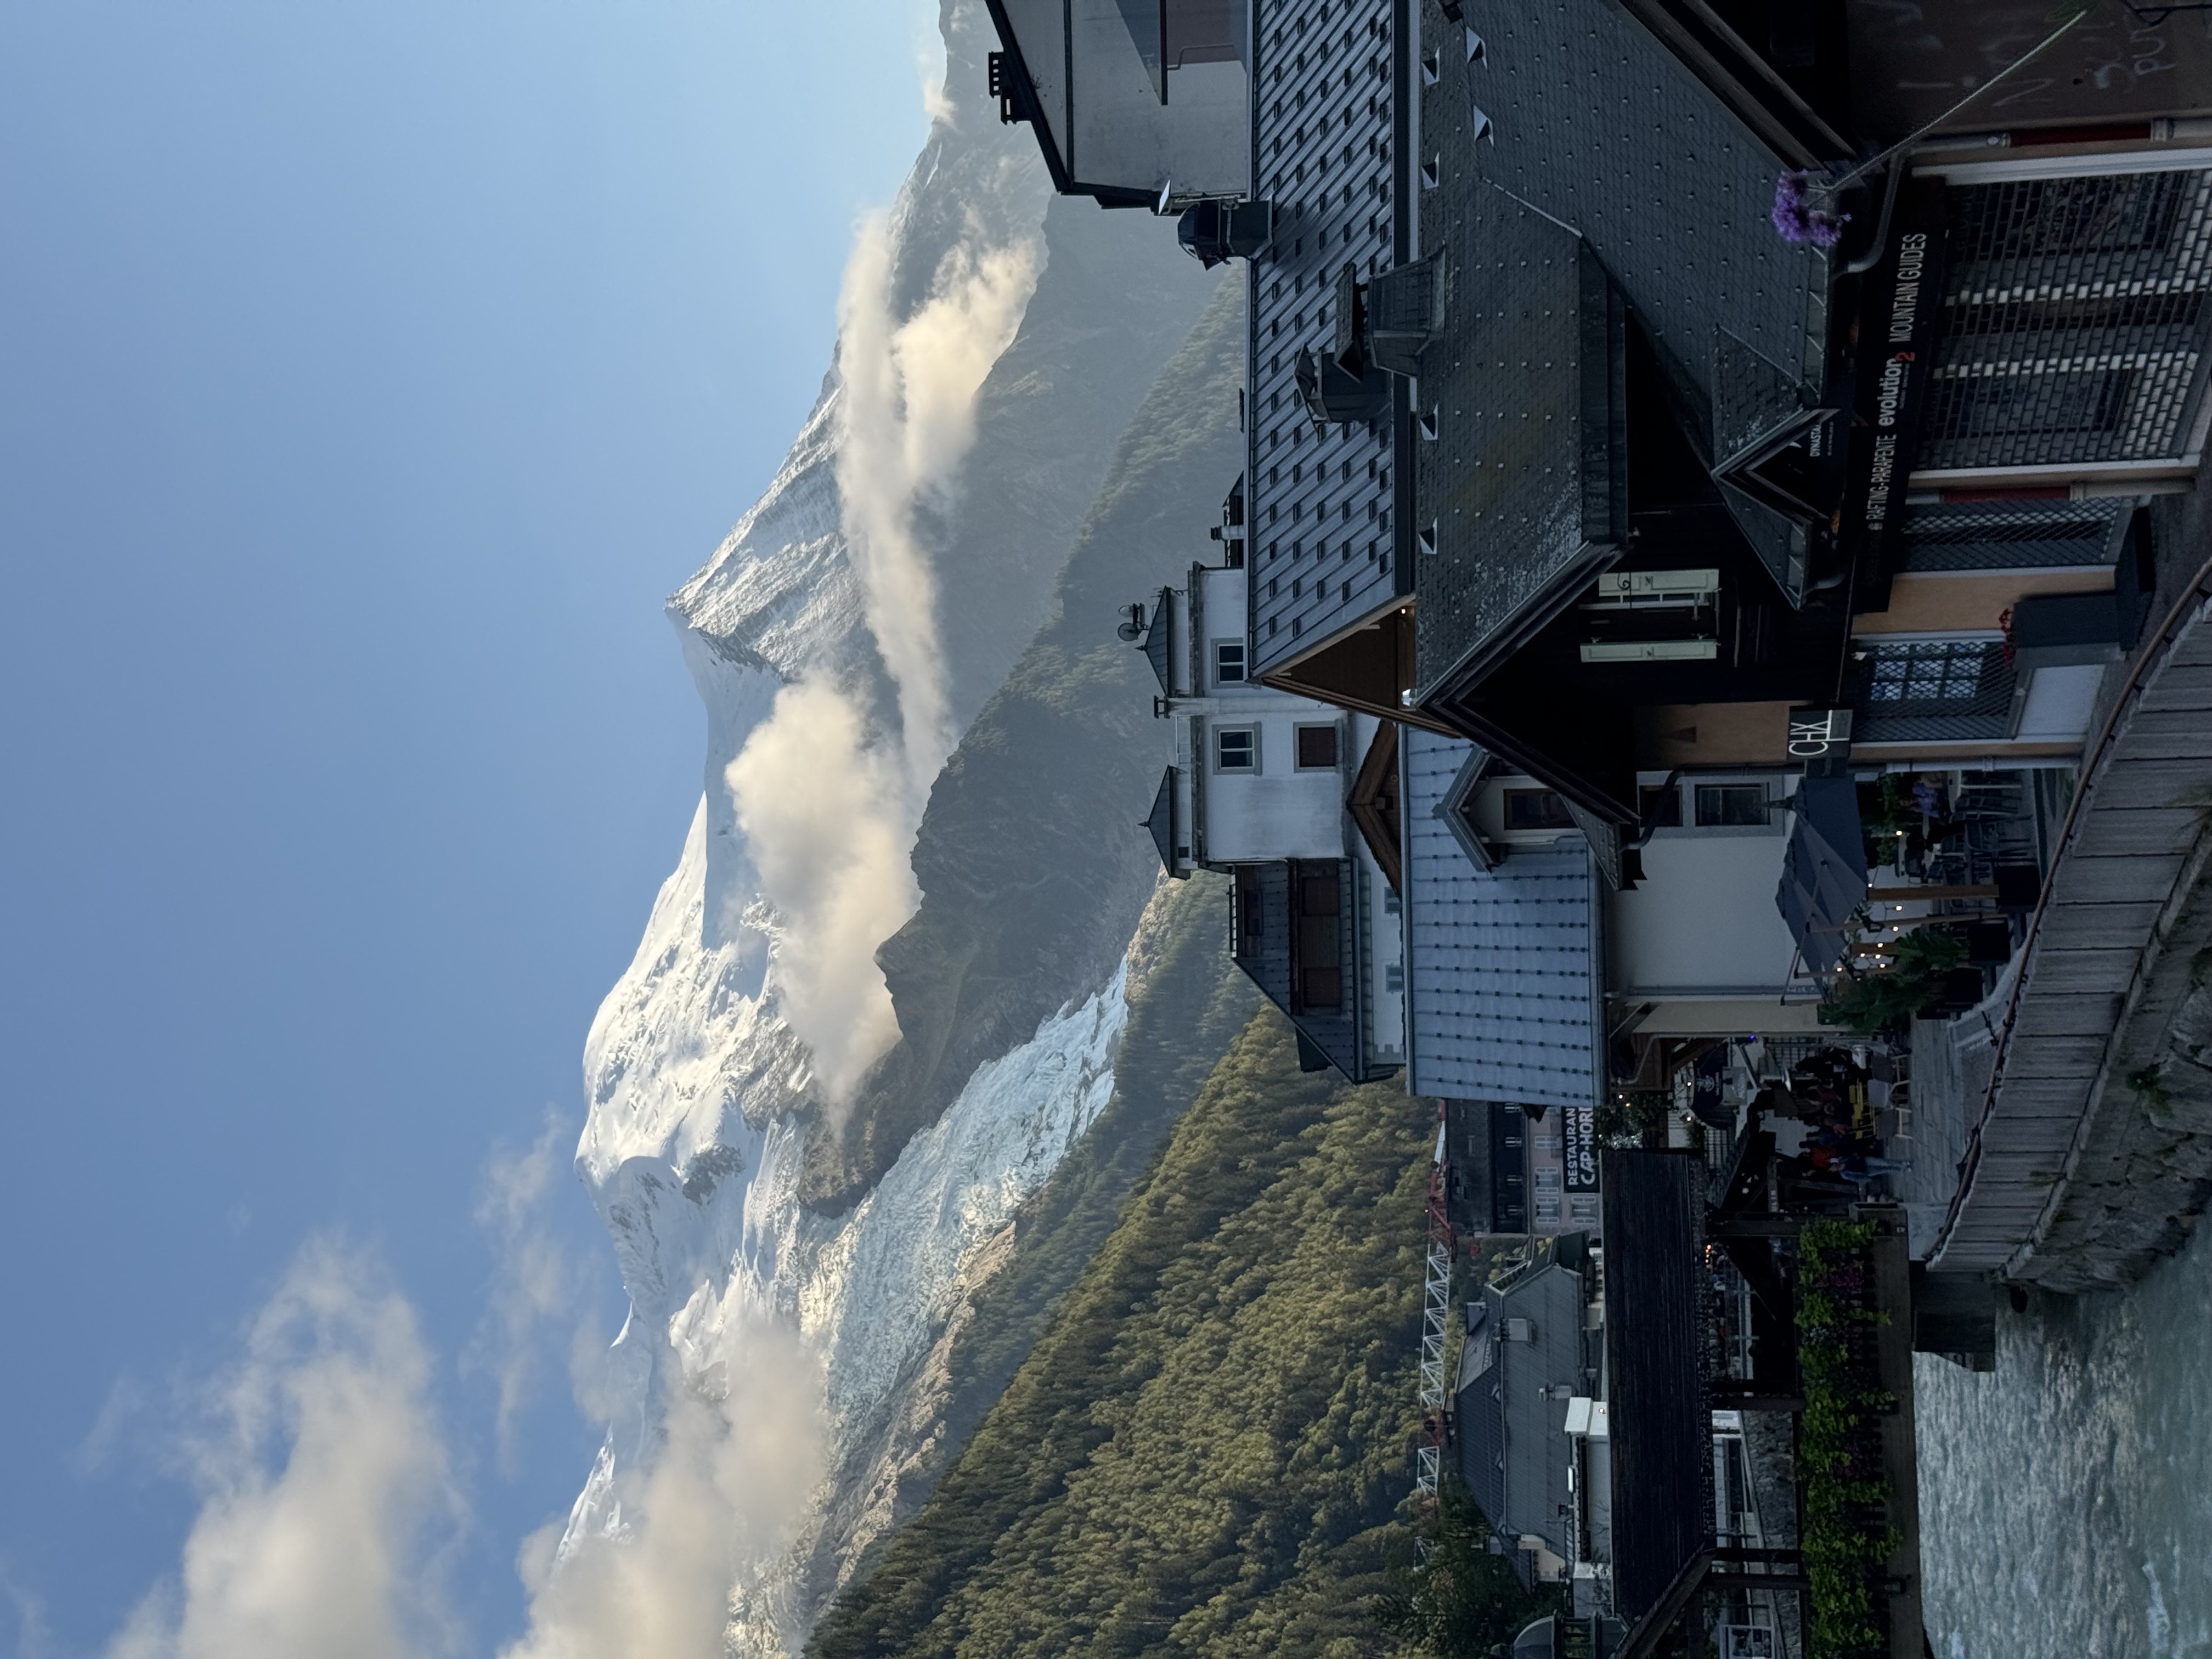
<point x="1896" y="339"/>
<point x="1579" y="1141"/>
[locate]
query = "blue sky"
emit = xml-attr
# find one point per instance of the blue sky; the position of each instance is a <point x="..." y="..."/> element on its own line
<point x="368" y="376"/>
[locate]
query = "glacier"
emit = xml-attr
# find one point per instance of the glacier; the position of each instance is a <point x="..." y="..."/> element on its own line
<point x="701" y="1099"/>
<point x="722" y="1236"/>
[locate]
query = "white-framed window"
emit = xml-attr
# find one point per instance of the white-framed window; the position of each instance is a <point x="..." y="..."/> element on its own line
<point x="1229" y="662"/>
<point x="1236" y="748"/>
<point x="1731" y="806"/>
<point x="1536" y="809"/>
<point x="1316" y="748"/>
<point x="1394" y="976"/>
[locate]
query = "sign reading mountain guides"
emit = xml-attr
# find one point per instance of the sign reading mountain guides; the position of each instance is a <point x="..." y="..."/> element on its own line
<point x="1896" y="339"/>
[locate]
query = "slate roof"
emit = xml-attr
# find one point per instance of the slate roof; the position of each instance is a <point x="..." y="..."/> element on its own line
<point x="1503" y="973"/>
<point x="1572" y="144"/>
<point x="1514" y="1451"/>
<point x="1595" y="124"/>
<point x="1326" y="117"/>
<point x="1160" y="822"/>
<point x="1523" y="492"/>
<point x="1660" y="1421"/>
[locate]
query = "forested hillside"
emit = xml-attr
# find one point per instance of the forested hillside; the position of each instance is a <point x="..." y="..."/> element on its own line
<point x="1186" y="1004"/>
<point x="1205" y="1452"/>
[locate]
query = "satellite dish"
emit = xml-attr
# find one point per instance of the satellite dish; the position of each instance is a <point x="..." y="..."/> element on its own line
<point x="1166" y="185"/>
<point x="1134" y="627"/>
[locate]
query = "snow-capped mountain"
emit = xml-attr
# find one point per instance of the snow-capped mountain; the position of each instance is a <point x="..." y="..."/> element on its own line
<point x="993" y="344"/>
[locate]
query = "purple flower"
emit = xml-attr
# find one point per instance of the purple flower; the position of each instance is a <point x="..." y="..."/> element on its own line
<point x="1798" y="221"/>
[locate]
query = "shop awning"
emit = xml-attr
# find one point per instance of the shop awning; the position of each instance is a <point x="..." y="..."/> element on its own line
<point x="1824" y="878"/>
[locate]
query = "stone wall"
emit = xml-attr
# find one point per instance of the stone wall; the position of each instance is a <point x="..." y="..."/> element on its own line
<point x="2143" y="1169"/>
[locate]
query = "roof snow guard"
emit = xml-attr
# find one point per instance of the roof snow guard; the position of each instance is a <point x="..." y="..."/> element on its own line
<point x="1504" y="975"/>
<point x="1526" y="478"/>
<point x="1561" y="104"/>
<point x="1331" y="126"/>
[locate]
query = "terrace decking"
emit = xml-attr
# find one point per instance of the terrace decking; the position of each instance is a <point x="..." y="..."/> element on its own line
<point x="2106" y="958"/>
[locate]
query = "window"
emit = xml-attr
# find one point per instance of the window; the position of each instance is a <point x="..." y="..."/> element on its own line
<point x="1317" y="891"/>
<point x="1936" y="674"/>
<point x="1968" y="405"/>
<point x="1229" y="662"/>
<point x="1536" y="809"/>
<point x="2128" y="212"/>
<point x="1236" y="749"/>
<point x="1316" y="748"/>
<point x="1323" y="988"/>
<point x="1723" y="806"/>
<point x="1394" y="976"/>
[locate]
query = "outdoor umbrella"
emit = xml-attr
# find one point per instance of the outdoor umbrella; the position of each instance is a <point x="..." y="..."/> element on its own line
<point x="1824" y="878"/>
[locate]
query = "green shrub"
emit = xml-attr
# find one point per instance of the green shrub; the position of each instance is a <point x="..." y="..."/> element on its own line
<point x="1839" y="1442"/>
<point x="1207" y="1452"/>
<point x="1868" y="1003"/>
<point x="1459" y="1601"/>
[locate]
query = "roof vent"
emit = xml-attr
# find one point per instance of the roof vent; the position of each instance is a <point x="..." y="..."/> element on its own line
<point x="1217" y="229"/>
<point x="1332" y="393"/>
<point x="1404" y="315"/>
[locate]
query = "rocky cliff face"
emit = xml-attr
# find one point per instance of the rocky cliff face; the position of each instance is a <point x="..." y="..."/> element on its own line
<point x="921" y="604"/>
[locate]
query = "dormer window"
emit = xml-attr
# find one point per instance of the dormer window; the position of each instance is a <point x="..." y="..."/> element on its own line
<point x="1536" y="809"/>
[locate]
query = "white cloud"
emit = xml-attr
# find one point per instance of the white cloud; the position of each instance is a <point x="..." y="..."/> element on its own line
<point x="33" y="1636"/>
<point x="908" y="419"/>
<point x="537" y="1280"/>
<point x="824" y="818"/>
<point x="327" y="1497"/>
<point x="828" y="809"/>
<point x="326" y="1487"/>
<point x="740" y="1459"/>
